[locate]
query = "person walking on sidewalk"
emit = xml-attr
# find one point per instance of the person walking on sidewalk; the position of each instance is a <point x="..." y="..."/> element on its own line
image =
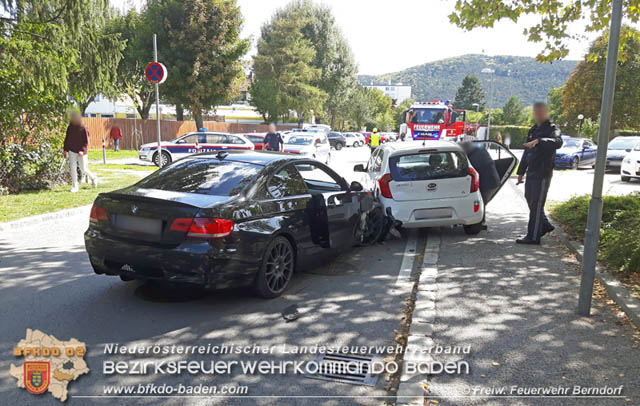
<point x="273" y="140"/>
<point x="76" y="145"/>
<point x="116" y="135"/>
<point x="538" y="161"/>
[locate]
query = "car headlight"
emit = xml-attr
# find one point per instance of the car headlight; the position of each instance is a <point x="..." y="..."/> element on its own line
<point x="144" y="149"/>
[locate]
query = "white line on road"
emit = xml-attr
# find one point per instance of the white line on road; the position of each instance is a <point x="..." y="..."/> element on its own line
<point x="404" y="276"/>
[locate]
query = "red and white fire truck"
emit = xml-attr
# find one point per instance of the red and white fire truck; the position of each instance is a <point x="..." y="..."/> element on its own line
<point x="435" y="120"/>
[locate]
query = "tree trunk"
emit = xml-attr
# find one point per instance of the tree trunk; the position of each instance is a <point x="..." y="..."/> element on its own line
<point x="333" y="119"/>
<point x="197" y="117"/>
<point x="179" y="112"/>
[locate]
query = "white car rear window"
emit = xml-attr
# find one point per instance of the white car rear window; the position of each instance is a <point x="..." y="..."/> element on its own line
<point x="428" y="165"/>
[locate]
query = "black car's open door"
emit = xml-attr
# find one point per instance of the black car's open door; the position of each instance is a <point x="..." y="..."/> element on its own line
<point x="485" y="153"/>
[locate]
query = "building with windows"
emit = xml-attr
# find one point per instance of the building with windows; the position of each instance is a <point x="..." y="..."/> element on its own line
<point x="397" y="92"/>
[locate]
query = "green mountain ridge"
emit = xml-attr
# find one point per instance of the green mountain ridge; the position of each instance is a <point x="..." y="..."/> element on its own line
<point x="518" y="76"/>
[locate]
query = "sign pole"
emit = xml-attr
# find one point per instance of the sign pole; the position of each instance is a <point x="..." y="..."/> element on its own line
<point x="155" y="59"/>
<point x="592" y="233"/>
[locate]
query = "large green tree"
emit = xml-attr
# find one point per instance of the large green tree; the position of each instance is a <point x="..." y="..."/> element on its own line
<point x="556" y="110"/>
<point x="513" y="112"/>
<point x="583" y="91"/>
<point x="284" y="77"/>
<point x="130" y="78"/>
<point x="398" y="115"/>
<point x="554" y="18"/>
<point x="469" y="92"/>
<point x="199" y="42"/>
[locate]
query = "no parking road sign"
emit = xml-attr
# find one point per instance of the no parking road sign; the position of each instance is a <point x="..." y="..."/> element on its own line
<point x="156" y="72"/>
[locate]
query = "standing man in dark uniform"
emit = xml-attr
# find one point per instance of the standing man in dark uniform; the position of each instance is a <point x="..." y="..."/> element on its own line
<point x="273" y="140"/>
<point x="538" y="162"/>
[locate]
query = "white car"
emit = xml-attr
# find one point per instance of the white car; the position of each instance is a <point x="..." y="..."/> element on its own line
<point x="193" y="143"/>
<point x="433" y="184"/>
<point x="630" y="167"/>
<point x="311" y="144"/>
<point x="351" y="140"/>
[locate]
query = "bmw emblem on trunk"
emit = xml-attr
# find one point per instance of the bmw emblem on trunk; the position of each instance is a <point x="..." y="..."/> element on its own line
<point x="432" y="186"/>
<point x="134" y="209"/>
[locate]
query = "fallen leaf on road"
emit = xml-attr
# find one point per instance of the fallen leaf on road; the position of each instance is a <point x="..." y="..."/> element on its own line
<point x="495" y="364"/>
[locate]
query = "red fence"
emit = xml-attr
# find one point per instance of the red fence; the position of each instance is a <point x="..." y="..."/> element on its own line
<point x="138" y="132"/>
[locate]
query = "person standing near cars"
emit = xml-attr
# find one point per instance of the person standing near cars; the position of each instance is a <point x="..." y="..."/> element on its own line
<point x="538" y="161"/>
<point x="116" y="135"/>
<point x="273" y="140"/>
<point x="374" y="142"/>
<point x="76" y="145"/>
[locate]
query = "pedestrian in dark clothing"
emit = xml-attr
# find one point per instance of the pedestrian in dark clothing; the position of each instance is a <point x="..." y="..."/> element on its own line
<point x="538" y="162"/>
<point x="273" y="140"/>
<point x="116" y="135"/>
<point x="76" y="145"/>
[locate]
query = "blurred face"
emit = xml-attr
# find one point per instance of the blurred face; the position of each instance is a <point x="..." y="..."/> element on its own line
<point x="76" y="118"/>
<point x="540" y="114"/>
<point x="272" y="128"/>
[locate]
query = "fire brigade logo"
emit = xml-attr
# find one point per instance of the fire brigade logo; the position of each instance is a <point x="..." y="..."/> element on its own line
<point x="36" y="376"/>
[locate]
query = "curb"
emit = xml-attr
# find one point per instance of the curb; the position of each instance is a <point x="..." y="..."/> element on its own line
<point x="39" y="218"/>
<point x="618" y="291"/>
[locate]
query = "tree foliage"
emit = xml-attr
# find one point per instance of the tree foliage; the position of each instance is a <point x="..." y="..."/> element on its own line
<point x="199" y="43"/>
<point x="469" y="92"/>
<point x="583" y="91"/>
<point x="556" y="110"/>
<point x="513" y="112"/>
<point x="554" y="19"/>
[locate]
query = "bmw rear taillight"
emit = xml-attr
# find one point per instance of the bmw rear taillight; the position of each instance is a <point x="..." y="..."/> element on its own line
<point x="475" y="180"/>
<point x="97" y="214"/>
<point x="201" y="227"/>
<point x="383" y="183"/>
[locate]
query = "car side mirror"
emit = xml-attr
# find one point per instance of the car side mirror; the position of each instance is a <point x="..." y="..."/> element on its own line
<point x="359" y="168"/>
<point x="355" y="187"/>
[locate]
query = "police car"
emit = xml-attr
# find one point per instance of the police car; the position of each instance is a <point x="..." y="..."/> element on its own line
<point x="193" y="143"/>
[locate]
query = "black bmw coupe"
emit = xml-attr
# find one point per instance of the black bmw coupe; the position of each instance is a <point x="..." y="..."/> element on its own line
<point x="227" y="219"/>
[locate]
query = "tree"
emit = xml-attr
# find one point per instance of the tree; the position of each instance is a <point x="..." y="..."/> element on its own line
<point x="554" y="106"/>
<point x="398" y="116"/>
<point x="468" y="93"/>
<point x="199" y="43"/>
<point x="361" y="107"/>
<point x="583" y="91"/>
<point x="283" y="75"/>
<point x="513" y="112"/>
<point x="130" y="78"/>
<point x="554" y="19"/>
<point x="99" y="52"/>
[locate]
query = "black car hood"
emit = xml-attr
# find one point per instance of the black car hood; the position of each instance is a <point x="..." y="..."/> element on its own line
<point x="190" y="199"/>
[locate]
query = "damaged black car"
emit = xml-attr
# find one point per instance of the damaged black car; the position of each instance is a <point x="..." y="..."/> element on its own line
<point x="228" y="219"/>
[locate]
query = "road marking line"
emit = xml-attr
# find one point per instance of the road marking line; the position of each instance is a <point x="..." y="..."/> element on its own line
<point x="404" y="276"/>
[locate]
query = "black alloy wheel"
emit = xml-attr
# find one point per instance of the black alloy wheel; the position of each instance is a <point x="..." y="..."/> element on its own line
<point x="276" y="270"/>
<point x="373" y="227"/>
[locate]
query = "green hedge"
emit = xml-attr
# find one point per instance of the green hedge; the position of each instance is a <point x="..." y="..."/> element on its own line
<point x="518" y="134"/>
<point x="619" y="233"/>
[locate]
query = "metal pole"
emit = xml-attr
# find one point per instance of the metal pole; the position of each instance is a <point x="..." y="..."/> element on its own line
<point x="155" y="59"/>
<point x="592" y="231"/>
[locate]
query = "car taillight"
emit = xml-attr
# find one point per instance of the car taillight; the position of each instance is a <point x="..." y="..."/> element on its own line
<point x="383" y="183"/>
<point x="201" y="227"/>
<point x="475" y="180"/>
<point x="476" y="206"/>
<point x="97" y="214"/>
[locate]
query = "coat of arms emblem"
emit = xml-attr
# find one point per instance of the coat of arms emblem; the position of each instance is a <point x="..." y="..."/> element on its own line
<point x="36" y="376"/>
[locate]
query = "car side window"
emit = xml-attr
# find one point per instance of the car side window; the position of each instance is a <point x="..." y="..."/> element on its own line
<point x="317" y="178"/>
<point x="375" y="165"/>
<point x="286" y="182"/>
<point x="216" y="139"/>
<point x="232" y="139"/>
<point x="190" y="139"/>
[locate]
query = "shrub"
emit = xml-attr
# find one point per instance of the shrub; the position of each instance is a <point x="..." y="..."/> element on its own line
<point x="619" y="232"/>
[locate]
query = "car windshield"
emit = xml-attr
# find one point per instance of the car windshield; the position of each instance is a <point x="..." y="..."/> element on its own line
<point x="571" y="143"/>
<point x="428" y="116"/>
<point x="204" y="176"/>
<point x="622" y="143"/>
<point x="299" y="140"/>
<point x="428" y="165"/>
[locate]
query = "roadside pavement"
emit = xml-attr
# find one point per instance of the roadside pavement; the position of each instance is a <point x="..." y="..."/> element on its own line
<point x="516" y="308"/>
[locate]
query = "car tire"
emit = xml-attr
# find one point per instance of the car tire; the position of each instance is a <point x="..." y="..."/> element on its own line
<point x="278" y="265"/>
<point x="625" y="178"/>
<point x="374" y="226"/>
<point x="473" y="229"/>
<point x="166" y="159"/>
<point x="575" y="163"/>
<point x="338" y="146"/>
